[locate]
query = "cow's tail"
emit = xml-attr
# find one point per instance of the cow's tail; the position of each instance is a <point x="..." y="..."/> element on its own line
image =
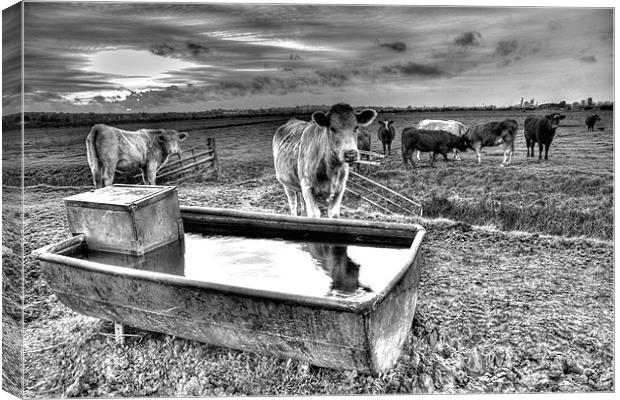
<point x="91" y="155"/>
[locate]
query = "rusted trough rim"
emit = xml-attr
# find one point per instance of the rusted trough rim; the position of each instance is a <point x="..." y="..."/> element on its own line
<point x="49" y="254"/>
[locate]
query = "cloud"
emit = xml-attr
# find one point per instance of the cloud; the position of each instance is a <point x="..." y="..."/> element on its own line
<point x="471" y="38"/>
<point x="588" y="59"/>
<point x="196" y="49"/>
<point x="161" y="49"/>
<point x="187" y="48"/>
<point x="414" y="69"/>
<point x="396" y="46"/>
<point x="506" y="47"/>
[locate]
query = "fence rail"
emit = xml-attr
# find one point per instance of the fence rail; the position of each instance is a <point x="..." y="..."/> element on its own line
<point x="381" y="196"/>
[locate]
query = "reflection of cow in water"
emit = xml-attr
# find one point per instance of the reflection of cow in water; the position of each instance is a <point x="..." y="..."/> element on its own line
<point x="312" y="158"/>
<point x="336" y="262"/>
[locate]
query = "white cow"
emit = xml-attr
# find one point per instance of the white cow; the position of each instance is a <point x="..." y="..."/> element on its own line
<point x="109" y="149"/>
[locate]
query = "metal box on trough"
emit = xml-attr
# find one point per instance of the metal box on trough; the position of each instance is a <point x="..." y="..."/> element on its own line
<point x="131" y="219"/>
<point x="354" y="317"/>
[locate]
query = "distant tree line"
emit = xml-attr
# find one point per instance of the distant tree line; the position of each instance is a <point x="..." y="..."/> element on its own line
<point x="62" y="119"/>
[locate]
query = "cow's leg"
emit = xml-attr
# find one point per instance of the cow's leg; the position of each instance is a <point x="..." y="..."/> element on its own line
<point x="546" y="152"/>
<point x="333" y="208"/>
<point x="389" y="146"/>
<point x="144" y="176"/>
<point x="456" y="154"/>
<point x="97" y="175"/>
<point x="417" y="152"/>
<point x="109" y="169"/>
<point x="151" y="172"/>
<point x="507" y="155"/>
<point x="540" y="149"/>
<point x="477" y="148"/>
<point x="291" y="195"/>
<point x="312" y="209"/>
<point x="433" y="157"/>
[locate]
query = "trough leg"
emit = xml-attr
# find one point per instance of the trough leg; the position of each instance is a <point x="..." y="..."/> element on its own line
<point x="119" y="336"/>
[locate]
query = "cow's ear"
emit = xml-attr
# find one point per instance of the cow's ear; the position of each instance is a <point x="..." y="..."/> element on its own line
<point x="562" y="116"/>
<point x="380" y="121"/>
<point x="391" y="122"/>
<point x="320" y="119"/>
<point x="365" y="117"/>
<point x="183" y="136"/>
<point x="161" y="136"/>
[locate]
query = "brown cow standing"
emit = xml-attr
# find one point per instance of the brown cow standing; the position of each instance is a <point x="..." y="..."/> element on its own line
<point x="110" y="149"/>
<point x="485" y="134"/>
<point x="312" y="158"/>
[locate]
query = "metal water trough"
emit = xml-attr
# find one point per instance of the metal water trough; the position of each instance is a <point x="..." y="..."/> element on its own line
<point x="341" y="333"/>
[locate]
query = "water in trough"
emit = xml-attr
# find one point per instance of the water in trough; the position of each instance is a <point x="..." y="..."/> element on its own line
<point x="285" y="266"/>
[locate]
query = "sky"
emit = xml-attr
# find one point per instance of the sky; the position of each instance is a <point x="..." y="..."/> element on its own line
<point x="155" y="57"/>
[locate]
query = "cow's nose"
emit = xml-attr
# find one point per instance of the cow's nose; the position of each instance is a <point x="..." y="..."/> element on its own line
<point x="351" y="155"/>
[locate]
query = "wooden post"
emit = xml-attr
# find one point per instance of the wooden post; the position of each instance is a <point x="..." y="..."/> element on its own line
<point x="118" y="333"/>
<point x="216" y="160"/>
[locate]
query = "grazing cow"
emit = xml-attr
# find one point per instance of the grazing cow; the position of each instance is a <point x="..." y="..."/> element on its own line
<point x="484" y="134"/>
<point x="438" y="142"/>
<point x="386" y="134"/>
<point x="363" y="143"/>
<point x="312" y="158"/>
<point x="540" y="130"/>
<point x="110" y="149"/>
<point x="454" y="127"/>
<point x="591" y="121"/>
<point x="337" y="263"/>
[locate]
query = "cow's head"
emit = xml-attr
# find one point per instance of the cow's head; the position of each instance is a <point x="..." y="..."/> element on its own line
<point x="462" y="144"/>
<point x="509" y="127"/>
<point x="386" y="123"/>
<point x="342" y="125"/>
<point x="554" y="119"/>
<point x="597" y="117"/>
<point x="169" y="139"/>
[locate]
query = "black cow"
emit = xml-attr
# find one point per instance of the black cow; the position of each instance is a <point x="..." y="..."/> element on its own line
<point x="541" y="130"/>
<point x="591" y="121"/>
<point x="438" y="142"/>
<point x="386" y="134"/>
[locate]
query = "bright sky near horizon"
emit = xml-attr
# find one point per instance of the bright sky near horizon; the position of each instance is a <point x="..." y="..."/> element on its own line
<point x="119" y="57"/>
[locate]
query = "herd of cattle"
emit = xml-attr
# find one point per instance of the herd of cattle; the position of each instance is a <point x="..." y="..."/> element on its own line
<point x="312" y="158"/>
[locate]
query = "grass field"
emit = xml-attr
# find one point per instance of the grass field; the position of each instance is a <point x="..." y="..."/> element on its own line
<point x="509" y="305"/>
